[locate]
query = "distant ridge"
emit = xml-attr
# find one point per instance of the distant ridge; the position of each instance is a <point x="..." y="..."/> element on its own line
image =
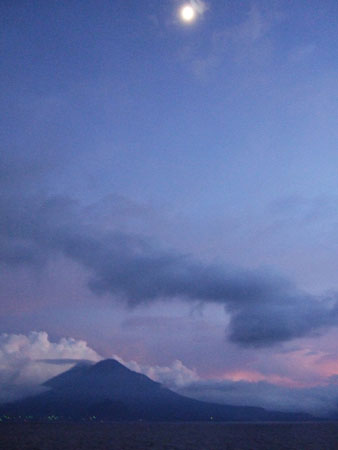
<point x="110" y="391"/>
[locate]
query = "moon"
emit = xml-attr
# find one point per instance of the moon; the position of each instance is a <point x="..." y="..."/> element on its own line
<point x="187" y="13"/>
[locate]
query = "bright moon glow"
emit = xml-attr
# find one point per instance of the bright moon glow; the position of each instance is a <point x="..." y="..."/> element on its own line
<point x="188" y="13"/>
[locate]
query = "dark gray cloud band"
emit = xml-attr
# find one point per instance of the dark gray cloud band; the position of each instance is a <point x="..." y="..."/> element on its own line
<point x="263" y="308"/>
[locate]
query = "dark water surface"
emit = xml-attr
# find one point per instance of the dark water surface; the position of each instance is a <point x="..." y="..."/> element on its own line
<point x="169" y="436"/>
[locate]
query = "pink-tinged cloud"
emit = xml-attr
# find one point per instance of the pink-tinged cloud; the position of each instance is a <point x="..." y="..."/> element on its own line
<point x="252" y="376"/>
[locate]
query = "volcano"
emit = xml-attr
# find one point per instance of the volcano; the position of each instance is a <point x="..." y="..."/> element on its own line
<point x="110" y="391"/>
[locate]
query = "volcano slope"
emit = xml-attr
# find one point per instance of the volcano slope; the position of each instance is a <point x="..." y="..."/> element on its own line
<point x="110" y="391"/>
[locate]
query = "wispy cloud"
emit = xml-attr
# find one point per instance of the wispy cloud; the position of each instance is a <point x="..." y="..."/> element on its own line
<point x="245" y="42"/>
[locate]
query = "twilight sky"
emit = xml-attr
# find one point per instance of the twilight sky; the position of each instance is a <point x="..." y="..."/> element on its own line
<point x="169" y="192"/>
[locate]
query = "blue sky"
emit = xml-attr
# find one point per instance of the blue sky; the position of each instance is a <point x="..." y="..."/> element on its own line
<point x="161" y="161"/>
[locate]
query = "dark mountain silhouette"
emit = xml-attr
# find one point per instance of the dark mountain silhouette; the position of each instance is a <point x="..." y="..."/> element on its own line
<point x="110" y="391"/>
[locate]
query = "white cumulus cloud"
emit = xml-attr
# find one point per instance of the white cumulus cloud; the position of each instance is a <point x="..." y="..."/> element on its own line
<point x="174" y="376"/>
<point x="26" y="361"/>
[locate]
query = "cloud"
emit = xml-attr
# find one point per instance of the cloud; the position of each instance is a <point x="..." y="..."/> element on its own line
<point x="243" y="42"/>
<point x="319" y="400"/>
<point x="28" y="361"/>
<point x="264" y="309"/>
<point x="199" y="6"/>
<point x="175" y="376"/>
